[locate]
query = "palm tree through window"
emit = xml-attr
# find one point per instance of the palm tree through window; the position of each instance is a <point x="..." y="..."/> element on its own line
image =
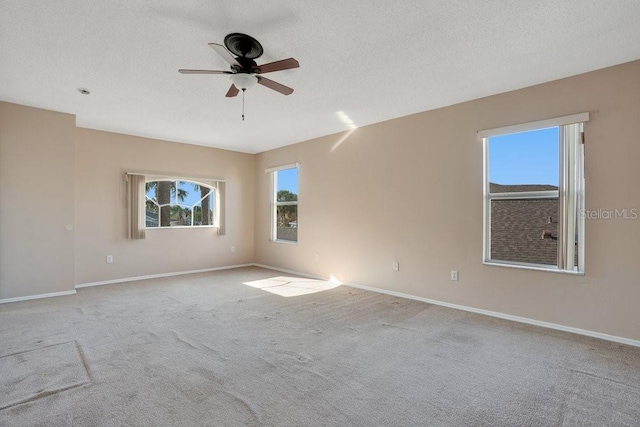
<point x="175" y="203"/>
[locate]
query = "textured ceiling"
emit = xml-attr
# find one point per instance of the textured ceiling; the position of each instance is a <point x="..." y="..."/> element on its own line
<point x="361" y="61"/>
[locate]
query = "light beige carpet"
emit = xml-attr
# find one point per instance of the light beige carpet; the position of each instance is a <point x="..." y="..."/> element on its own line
<point x="210" y="350"/>
<point x="34" y="374"/>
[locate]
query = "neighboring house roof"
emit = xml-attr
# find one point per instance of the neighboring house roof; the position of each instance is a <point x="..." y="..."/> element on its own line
<point x="499" y="188"/>
<point x="517" y="226"/>
<point x="516" y="230"/>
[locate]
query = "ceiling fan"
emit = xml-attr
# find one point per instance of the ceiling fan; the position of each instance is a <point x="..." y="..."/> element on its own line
<point x="244" y="71"/>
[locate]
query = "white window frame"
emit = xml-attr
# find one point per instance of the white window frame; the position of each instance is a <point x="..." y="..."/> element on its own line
<point x="274" y="203"/>
<point x="571" y="181"/>
<point x="212" y="184"/>
<point x="212" y="194"/>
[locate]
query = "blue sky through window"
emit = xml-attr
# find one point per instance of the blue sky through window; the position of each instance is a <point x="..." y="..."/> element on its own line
<point x="525" y="158"/>
<point x="288" y="180"/>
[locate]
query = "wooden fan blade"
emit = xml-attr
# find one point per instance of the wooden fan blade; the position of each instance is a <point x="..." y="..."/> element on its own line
<point x="233" y="91"/>
<point x="225" y="54"/>
<point x="183" y="71"/>
<point x="283" y="64"/>
<point x="285" y="90"/>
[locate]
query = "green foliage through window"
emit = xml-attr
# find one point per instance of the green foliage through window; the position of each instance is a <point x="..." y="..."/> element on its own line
<point x="179" y="204"/>
<point x="285" y="205"/>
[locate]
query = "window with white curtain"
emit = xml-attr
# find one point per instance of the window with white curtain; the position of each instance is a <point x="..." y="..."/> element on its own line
<point x="157" y="201"/>
<point x="534" y="194"/>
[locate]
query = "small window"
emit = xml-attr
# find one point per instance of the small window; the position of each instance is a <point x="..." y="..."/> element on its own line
<point x="533" y="195"/>
<point x="171" y="203"/>
<point x="284" y="204"/>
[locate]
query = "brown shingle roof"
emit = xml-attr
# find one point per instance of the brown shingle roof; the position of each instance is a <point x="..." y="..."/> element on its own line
<point x="516" y="230"/>
<point x="517" y="226"/>
<point x="499" y="188"/>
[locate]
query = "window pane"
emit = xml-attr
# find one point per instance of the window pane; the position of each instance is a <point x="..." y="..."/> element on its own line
<point x="183" y="192"/>
<point x="165" y="216"/>
<point x="177" y="202"/>
<point x="287" y="185"/>
<point x="518" y="227"/>
<point x="525" y="161"/>
<point x="151" y="214"/>
<point x="163" y="192"/>
<point x="203" y="211"/>
<point x="180" y="216"/>
<point x="151" y="188"/>
<point x="175" y="216"/>
<point x="286" y="216"/>
<point x="287" y="223"/>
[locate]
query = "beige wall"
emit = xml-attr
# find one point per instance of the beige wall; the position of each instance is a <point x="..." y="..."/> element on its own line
<point x="406" y="190"/>
<point x="410" y="190"/>
<point x="53" y="174"/>
<point x="102" y="158"/>
<point x="36" y="201"/>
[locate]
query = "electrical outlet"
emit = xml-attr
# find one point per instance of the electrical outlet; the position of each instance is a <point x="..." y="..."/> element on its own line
<point x="395" y="266"/>
<point x="109" y="259"/>
<point x="317" y="258"/>
<point x="233" y="248"/>
<point x="454" y="275"/>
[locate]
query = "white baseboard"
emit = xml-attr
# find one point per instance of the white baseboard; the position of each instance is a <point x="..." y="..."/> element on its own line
<point x="297" y="273"/>
<point x="156" y="276"/>
<point x="499" y="315"/>
<point x="38" y="296"/>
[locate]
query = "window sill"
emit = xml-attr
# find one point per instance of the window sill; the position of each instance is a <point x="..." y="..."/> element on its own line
<point x="195" y="227"/>
<point x="536" y="267"/>
<point x="286" y="242"/>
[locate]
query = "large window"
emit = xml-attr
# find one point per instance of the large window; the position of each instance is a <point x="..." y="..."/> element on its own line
<point x="284" y="203"/>
<point x="173" y="203"/>
<point x="534" y="195"/>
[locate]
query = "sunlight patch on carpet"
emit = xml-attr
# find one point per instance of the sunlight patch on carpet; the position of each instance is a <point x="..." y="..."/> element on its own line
<point x="292" y="286"/>
<point x="34" y="374"/>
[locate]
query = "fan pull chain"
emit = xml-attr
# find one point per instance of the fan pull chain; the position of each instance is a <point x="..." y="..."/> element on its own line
<point x="243" y="103"/>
